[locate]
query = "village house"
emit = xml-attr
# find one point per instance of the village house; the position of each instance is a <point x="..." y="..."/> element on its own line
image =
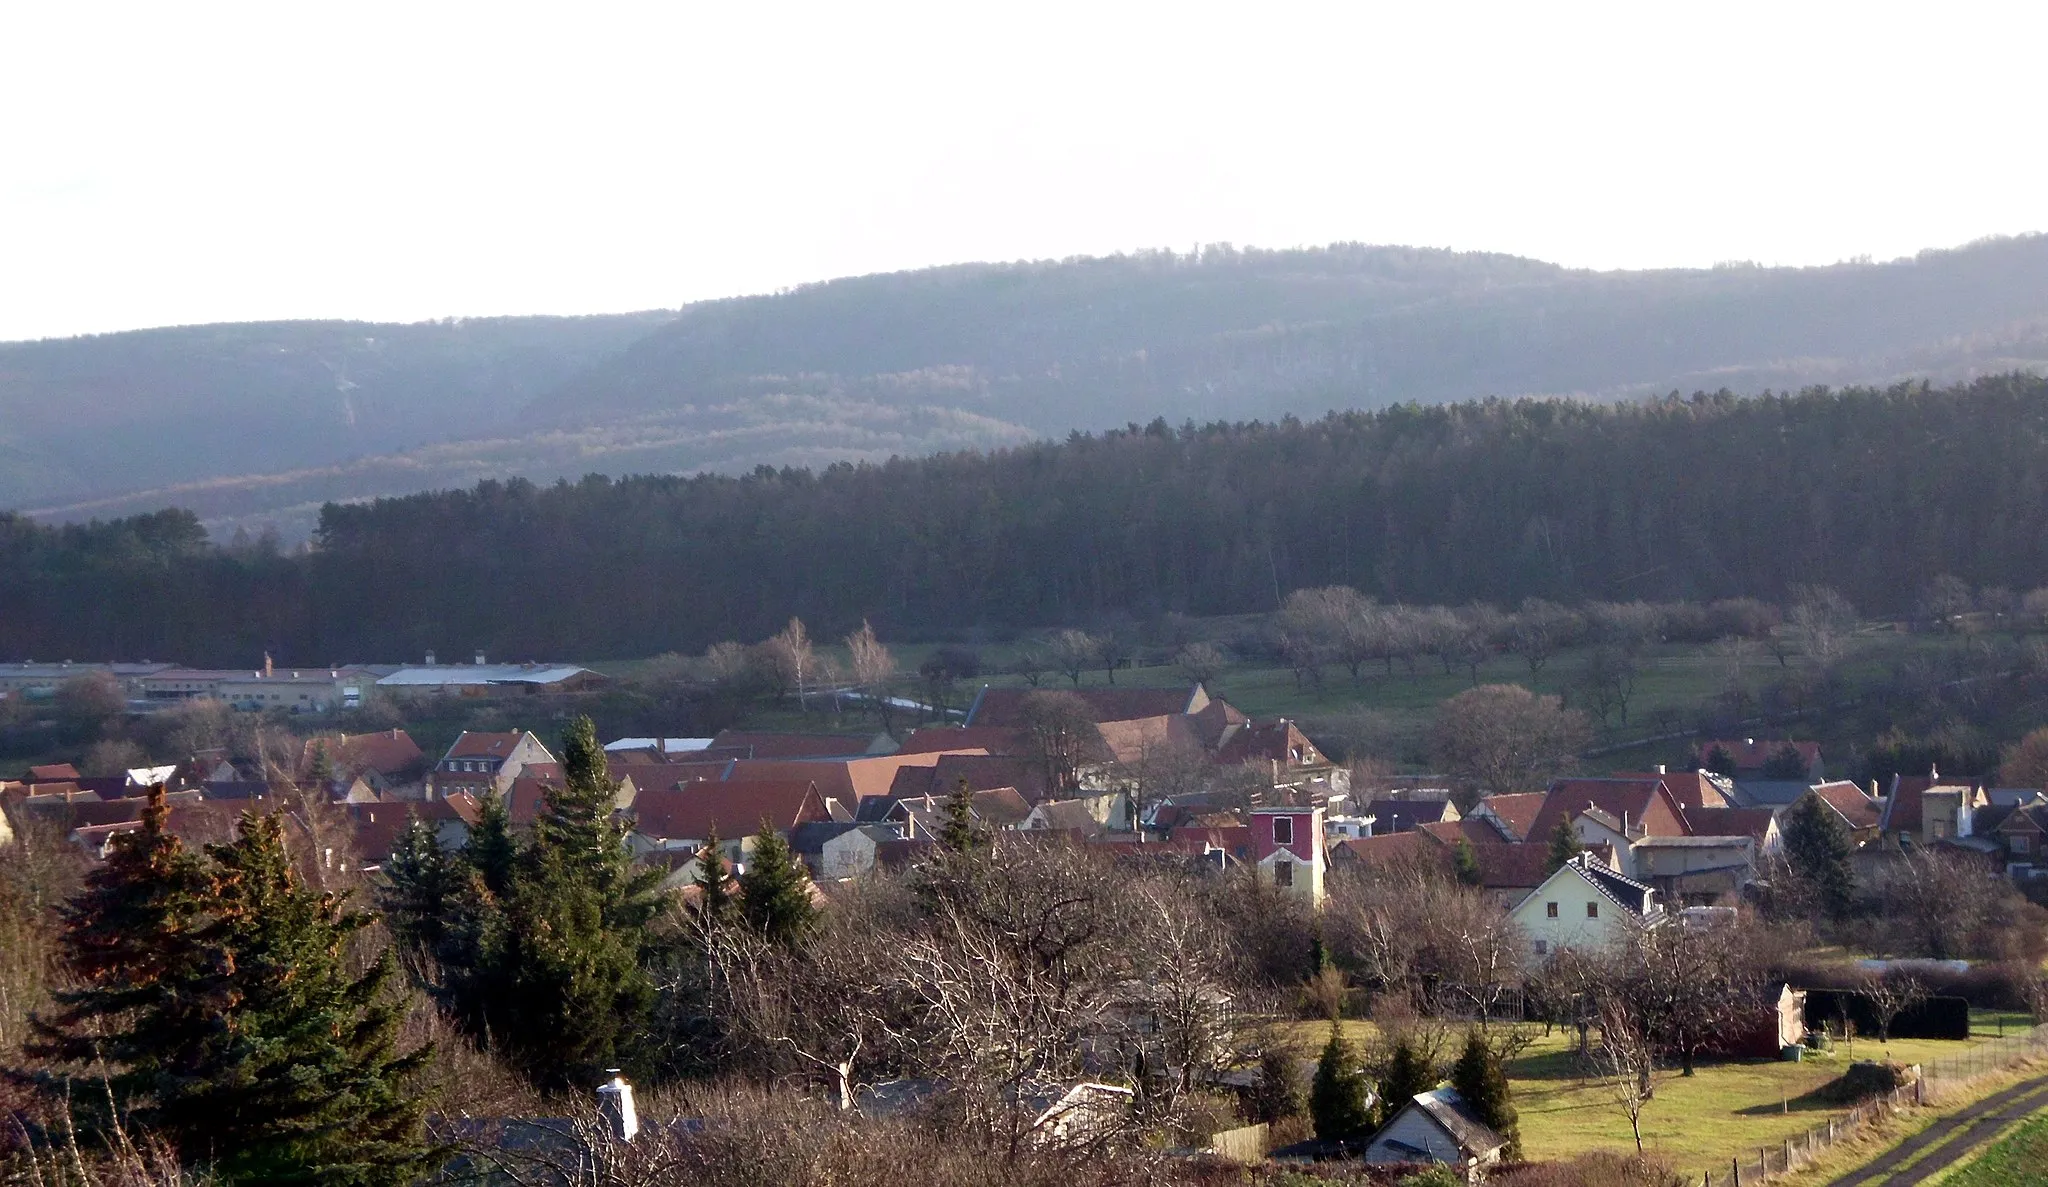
<point x="1583" y="905"/>
<point x="1860" y="813"/>
<point x="2019" y="831"/>
<point x="686" y="816"/>
<point x="1437" y="1126"/>
<point x="486" y="763"/>
<point x="389" y="762"/>
<point x="1752" y="758"/>
<point x="1924" y="809"/>
<point x="1288" y="850"/>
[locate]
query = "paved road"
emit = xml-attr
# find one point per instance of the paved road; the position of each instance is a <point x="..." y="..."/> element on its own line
<point x="1950" y="1137"/>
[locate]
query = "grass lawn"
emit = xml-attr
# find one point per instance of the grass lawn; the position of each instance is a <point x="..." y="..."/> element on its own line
<point x="1696" y="1123"/>
<point x="2019" y="1159"/>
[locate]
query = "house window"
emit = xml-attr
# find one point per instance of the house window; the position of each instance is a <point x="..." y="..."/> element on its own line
<point x="1940" y="829"/>
<point x="1550" y="910"/>
<point x="1542" y="947"/>
<point x="1283" y="872"/>
<point x="1592" y="910"/>
<point x="2022" y="844"/>
<point x="1283" y="830"/>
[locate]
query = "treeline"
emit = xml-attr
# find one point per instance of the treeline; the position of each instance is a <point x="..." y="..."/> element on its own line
<point x="1873" y="493"/>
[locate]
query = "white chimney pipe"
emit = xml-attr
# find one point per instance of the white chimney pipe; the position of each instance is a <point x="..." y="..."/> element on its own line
<point x="615" y="1102"/>
<point x="479" y="659"/>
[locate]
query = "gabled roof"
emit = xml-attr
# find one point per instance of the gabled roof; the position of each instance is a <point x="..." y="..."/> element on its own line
<point x="1145" y="738"/>
<point x="55" y="772"/>
<point x="1278" y="741"/>
<point x="1692" y="789"/>
<point x="481" y="745"/>
<point x="1850" y="802"/>
<point x="1627" y="893"/>
<point x="997" y="740"/>
<point x="1904" y="807"/>
<point x="1399" y="816"/>
<point x="1754" y="823"/>
<point x="1005" y="706"/>
<point x="734" y="809"/>
<point x="1450" y="832"/>
<point x="1517" y="811"/>
<point x="386" y="752"/>
<point x="1451" y="1114"/>
<point x="982" y="772"/>
<point x="1628" y="800"/>
<point x="1770" y="793"/>
<point x="1382" y="848"/>
<point x="1067" y="814"/>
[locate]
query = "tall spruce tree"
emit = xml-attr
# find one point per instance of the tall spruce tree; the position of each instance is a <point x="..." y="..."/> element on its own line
<point x="1564" y="845"/>
<point x="491" y="850"/>
<point x="1337" y="1098"/>
<point x="226" y="1017"/>
<point x="1465" y="863"/>
<point x="957" y="831"/>
<point x="418" y="889"/>
<point x="577" y="823"/>
<point x="1818" y="848"/>
<point x="714" y="882"/>
<point x="1407" y="1073"/>
<point x="1480" y="1079"/>
<point x="304" y="1082"/>
<point x="775" y="892"/>
<point x="133" y="942"/>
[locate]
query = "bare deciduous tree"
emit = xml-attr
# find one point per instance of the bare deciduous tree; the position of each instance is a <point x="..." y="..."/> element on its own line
<point x="1503" y="738"/>
<point x="1073" y="652"/>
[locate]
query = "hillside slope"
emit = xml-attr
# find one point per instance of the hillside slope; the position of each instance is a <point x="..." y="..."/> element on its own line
<point x="262" y="423"/>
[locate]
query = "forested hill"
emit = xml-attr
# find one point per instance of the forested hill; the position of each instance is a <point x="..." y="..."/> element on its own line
<point x="255" y="424"/>
<point x="1875" y="492"/>
<point x="1242" y="334"/>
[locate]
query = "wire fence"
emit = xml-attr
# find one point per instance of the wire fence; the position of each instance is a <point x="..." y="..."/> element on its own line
<point x="1800" y="1149"/>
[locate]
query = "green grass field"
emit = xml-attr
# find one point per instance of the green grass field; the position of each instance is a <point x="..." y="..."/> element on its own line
<point x="1699" y="1122"/>
<point x="2019" y="1159"/>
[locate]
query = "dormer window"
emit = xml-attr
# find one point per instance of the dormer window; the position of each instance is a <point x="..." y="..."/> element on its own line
<point x="1283" y="830"/>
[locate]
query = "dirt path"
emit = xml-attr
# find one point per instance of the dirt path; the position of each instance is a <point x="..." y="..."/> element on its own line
<point x="1950" y="1137"/>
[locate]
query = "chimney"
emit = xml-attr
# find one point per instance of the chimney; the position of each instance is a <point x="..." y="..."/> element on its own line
<point x="479" y="659"/>
<point x="1660" y="769"/>
<point x="267" y="673"/>
<point x="615" y="1104"/>
<point x="430" y="659"/>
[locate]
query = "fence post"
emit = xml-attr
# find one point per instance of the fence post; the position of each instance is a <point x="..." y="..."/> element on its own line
<point x="1737" y="1164"/>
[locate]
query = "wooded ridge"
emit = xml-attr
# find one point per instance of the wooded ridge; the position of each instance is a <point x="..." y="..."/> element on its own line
<point x="1872" y="492"/>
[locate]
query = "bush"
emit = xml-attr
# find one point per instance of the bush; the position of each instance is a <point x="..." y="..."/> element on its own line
<point x="1435" y="1176"/>
<point x="1600" y="1169"/>
<point x="1866" y="1078"/>
<point x="1935" y="1018"/>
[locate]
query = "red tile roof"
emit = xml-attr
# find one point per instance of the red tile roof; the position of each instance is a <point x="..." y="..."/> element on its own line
<point x="478" y="745"/>
<point x="1692" y="789"/>
<point x="55" y="772"/>
<point x="1274" y="741"/>
<point x="998" y="740"/>
<point x="387" y="752"/>
<point x="735" y="808"/>
<point x="1146" y="738"/>
<point x="981" y="771"/>
<point x="1646" y="804"/>
<point x="1852" y="802"/>
<point x="1730" y="822"/>
<point x="1387" y="847"/>
<point x="1517" y="810"/>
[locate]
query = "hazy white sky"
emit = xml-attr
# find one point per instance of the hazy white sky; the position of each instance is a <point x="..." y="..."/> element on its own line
<point x="177" y="163"/>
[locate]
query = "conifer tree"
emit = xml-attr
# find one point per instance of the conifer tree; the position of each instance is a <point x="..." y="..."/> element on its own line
<point x="1465" y="863"/>
<point x="1564" y="845"/>
<point x="418" y="890"/>
<point x="577" y="823"/>
<point x="1337" y="1098"/>
<point x="714" y="882"/>
<point x="1407" y="1074"/>
<point x="775" y="892"/>
<point x="1479" y="1078"/>
<point x="957" y="831"/>
<point x="132" y="940"/>
<point x="321" y="773"/>
<point x="491" y="850"/>
<point x="304" y="1083"/>
<point x="1818" y="848"/>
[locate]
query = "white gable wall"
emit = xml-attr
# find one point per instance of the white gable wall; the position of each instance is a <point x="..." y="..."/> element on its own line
<point x="1572" y="927"/>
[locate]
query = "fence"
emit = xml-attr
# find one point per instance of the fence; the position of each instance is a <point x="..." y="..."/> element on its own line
<point x="1799" y="1149"/>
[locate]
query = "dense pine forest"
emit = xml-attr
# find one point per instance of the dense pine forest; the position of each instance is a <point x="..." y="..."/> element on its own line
<point x="1873" y="492"/>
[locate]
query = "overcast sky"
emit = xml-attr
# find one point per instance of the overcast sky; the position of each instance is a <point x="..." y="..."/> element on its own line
<point x="178" y="163"/>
